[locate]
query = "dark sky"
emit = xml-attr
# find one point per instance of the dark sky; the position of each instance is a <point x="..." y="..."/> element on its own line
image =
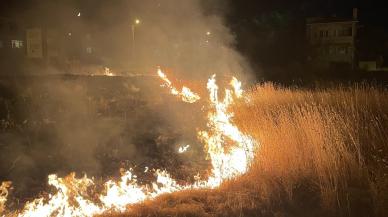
<point x="371" y="12"/>
<point x="263" y="28"/>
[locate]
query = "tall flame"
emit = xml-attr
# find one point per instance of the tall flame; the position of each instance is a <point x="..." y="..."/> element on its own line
<point x="72" y="196"/>
<point x="235" y="161"/>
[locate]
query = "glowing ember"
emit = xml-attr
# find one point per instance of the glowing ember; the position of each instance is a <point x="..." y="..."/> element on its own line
<point x="183" y="149"/>
<point x="72" y="197"/>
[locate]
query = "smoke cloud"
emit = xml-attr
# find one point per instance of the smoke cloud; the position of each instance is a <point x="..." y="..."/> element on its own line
<point x="92" y="124"/>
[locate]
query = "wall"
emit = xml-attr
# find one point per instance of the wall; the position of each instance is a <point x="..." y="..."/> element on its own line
<point x="332" y="43"/>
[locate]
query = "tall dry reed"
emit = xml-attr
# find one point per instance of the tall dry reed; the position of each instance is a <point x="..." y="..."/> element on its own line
<point x="329" y="138"/>
<point x="322" y="152"/>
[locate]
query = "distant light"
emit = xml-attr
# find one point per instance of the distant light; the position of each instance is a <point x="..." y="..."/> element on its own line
<point x="89" y="50"/>
<point x="208" y="33"/>
<point x="17" y="43"/>
<point x="137" y="21"/>
<point x="69" y="34"/>
<point x="79" y="14"/>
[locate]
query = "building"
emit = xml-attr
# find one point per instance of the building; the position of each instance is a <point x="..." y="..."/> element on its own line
<point x="12" y="40"/>
<point x="34" y="45"/>
<point x="332" y="41"/>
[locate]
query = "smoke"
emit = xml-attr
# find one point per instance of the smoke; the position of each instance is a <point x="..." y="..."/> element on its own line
<point x="56" y="124"/>
<point x="181" y="36"/>
<point x="189" y="37"/>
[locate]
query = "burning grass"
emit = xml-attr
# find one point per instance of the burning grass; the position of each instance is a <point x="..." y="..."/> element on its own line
<point x="72" y="198"/>
<point x="322" y="152"/>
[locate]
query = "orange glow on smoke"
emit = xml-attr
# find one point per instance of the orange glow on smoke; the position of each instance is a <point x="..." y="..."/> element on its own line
<point x="72" y="197"/>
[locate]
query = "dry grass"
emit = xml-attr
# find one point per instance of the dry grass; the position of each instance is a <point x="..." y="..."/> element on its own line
<point x="333" y="139"/>
<point x="322" y="153"/>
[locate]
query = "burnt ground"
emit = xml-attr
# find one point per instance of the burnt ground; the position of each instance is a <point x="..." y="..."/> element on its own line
<point x="92" y="125"/>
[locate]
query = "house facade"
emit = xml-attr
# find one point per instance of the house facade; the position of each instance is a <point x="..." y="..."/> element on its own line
<point x="12" y="39"/>
<point x="34" y="44"/>
<point x="332" y="41"/>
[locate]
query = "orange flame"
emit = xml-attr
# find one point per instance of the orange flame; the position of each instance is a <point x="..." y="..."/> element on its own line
<point x="186" y="94"/>
<point x="3" y="195"/>
<point x="72" y="199"/>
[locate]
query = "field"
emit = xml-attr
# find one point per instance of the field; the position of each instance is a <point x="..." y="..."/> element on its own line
<point x="323" y="152"/>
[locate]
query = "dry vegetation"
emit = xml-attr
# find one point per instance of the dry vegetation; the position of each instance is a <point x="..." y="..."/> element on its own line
<point x="322" y="152"/>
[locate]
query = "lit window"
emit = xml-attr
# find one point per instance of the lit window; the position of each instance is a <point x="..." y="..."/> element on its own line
<point x="89" y="50"/>
<point x="17" y="43"/>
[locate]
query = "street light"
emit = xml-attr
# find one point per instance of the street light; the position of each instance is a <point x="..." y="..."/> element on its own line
<point x="134" y="24"/>
<point x="133" y="27"/>
<point x="207" y="38"/>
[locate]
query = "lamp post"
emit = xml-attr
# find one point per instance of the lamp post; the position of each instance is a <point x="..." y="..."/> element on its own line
<point x="133" y="28"/>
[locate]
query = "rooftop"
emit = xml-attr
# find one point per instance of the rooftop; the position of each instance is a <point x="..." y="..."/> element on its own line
<point x="313" y="20"/>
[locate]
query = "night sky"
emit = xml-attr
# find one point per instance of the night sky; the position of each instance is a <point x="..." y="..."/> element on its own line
<point x="263" y="29"/>
<point x="371" y="12"/>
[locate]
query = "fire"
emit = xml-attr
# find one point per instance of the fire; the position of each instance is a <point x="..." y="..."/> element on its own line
<point x="73" y="195"/>
<point x="69" y="200"/>
<point x="183" y="149"/>
<point x="236" y="84"/>
<point x="226" y="164"/>
<point x="3" y="195"/>
<point x="186" y="94"/>
<point x="107" y="72"/>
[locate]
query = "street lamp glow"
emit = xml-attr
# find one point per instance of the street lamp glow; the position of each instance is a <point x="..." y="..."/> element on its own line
<point x="79" y="14"/>
<point x="208" y="33"/>
<point x="137" y="21"/>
